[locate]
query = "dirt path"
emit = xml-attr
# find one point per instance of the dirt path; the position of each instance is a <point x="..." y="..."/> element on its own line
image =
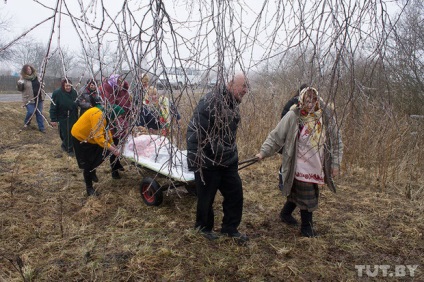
<point x="6" y="98"/>
<point x="10" y="97"/>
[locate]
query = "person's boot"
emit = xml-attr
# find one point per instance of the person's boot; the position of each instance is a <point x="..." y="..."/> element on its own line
<point x="116" y="175"/>
<point x="306" y="228"/>
<point x="286" y="213"/>
<point x="94" y="176"/>
<point x="92" y="192"/>
<point x="119" y="167"/>
<point x="89" y="183"/>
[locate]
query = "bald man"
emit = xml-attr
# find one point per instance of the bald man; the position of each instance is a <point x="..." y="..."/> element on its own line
<point x="213" y="156"/>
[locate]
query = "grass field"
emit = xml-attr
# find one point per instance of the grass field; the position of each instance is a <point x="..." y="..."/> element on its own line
<point x="50" y="230"/>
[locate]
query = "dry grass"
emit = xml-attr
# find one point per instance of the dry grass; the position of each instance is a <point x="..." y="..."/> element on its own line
<point x="50" y="231"/>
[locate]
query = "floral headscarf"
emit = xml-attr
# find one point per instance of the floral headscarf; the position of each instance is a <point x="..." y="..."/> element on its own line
<point x="302" y="97"/>
<point x="312" y="120"/>
<point x="161" y="109"/>
<point x="145" y="78"/>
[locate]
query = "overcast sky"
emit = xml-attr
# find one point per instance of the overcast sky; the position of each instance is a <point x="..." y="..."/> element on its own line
<point x="279" y="28"/>
<point x="25" y="16"/>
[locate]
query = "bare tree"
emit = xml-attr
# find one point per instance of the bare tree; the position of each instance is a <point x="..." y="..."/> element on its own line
<point x="4" y="29"/>
<point x="29" y="52"/>
<point x="60" y="64"/>
<point x="356" y="52"/>
<point x="32" y="52"/>
<point x="406" y="59"/>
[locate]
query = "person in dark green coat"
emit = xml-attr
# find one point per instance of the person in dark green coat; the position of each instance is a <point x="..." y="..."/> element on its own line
<point x="64" y="112"/>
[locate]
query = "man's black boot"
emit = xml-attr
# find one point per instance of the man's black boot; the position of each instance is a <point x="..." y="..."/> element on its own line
<point x="286" y="213"/>
<point x="116" y="175"/>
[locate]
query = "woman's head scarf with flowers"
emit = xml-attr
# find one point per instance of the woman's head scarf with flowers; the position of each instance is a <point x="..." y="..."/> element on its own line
<point x="161" y="108"/>
<point x="312" y="119"/>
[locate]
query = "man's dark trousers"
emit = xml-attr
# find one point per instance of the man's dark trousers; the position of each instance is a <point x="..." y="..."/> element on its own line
<point x="228" y="182"/>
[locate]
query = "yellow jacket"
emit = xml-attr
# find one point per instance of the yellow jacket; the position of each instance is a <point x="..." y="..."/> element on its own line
<point x="91" y="128"/>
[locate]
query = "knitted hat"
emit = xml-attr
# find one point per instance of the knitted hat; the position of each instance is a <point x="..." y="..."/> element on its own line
<point x="115" y="112"/>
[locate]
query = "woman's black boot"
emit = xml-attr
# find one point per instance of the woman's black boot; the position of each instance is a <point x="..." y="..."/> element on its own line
<point x="286" y="213"/>
<point x="307" y="228"/>
<point x="89" y="183"/>
<point x="94" y="176"/>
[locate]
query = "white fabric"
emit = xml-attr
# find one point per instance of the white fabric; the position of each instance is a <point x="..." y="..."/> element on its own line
<point x="158" y="154"/>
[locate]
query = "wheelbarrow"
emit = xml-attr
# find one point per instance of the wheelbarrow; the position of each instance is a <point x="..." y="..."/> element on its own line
<point x="166" y="160"/>
<point x="156" y="154"/>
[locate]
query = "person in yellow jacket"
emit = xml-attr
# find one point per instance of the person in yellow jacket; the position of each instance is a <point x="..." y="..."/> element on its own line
<point x="93" y="141"/>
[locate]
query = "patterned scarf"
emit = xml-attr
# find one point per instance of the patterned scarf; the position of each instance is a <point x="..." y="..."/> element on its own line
<point x="312" y="120"/>
<point x="30" y="77"/>
<point x="160" y="110"/>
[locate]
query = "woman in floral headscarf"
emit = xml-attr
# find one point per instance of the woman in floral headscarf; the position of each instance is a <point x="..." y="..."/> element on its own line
<point x="156" y="112"/>
<point x="312" y="152"/>
<point x="32" y="96"/>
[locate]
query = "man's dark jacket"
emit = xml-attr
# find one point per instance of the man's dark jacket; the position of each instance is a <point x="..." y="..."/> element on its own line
<point x="211" y="133"/>
<point x="289" y="104"/>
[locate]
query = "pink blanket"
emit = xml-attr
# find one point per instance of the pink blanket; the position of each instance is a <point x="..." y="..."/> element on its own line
<point x="148" y="146"/>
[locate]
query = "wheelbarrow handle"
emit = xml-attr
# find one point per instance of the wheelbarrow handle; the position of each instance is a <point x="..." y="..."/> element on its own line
<point x="248" y="162"/>
<point x="251" y="160"/>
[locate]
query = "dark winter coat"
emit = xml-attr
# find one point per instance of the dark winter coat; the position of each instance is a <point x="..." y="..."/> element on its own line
<point x="293" y="101"/>
<point x="87" y="99"/>
<point x="211" y="134"/>
<point x="63" y="105"/>
<point x="116" y="96"/>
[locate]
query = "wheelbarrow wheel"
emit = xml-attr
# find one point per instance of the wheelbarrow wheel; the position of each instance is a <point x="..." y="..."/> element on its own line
<point x="150" y="192"/>
<point x="191" y="189"/>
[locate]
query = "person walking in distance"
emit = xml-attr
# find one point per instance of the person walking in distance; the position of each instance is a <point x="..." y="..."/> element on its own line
<point x="32" y="96"/>
<point x="89" y="96"/>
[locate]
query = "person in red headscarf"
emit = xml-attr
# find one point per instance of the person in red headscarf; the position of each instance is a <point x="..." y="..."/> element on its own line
<point x="115" y="92"/>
